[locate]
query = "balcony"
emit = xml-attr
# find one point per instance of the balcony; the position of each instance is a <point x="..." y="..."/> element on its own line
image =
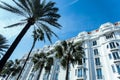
<point x="114" y="49"/>
<point x="98" y="66"/>
<point x="118" y="75"/>
<point x="98" y="55"/>
<point x="99" y="77"/>
<point x="81" y="77"/>
<point x="116" y="60"/>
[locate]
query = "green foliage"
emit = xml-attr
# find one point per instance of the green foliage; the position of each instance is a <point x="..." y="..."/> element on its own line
<point x="11" y="67"/>
<point x="71" y="50"/>
<point x="43" y="59"/>
<point x="3" y="45"/>
<point x="49" y="63"/>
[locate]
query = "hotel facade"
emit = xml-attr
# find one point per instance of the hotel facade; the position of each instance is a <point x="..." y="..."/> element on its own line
<point x="101" y="61"/>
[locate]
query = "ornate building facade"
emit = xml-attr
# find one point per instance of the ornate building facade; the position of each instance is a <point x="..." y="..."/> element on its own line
<point x="101" y="61"/>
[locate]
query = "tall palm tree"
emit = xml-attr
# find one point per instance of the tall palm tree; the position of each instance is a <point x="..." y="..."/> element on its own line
<point x="37" y="13"/>
<point x="37" y="35"/>
<point x="42" y="60"/>
<point x="69" y="53"/>
<point x="3" y="45"/>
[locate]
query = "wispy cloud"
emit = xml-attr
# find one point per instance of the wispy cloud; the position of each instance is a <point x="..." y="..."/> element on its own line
<point x="73" y="2"/>
<point x="9" y="32"/>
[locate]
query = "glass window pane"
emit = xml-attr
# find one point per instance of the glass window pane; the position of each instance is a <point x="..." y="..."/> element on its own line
<point x="113" y="68"/>
<point x="110" y="57"/>
<point x="99" y="73"/>
<point x="94" y="43"/>
<point x="95" y="51"/>
<point x="116" y="55"/>
<point x="97" y="61"/>
<point x="79" y="72"/>
<point x="118" y="68"/>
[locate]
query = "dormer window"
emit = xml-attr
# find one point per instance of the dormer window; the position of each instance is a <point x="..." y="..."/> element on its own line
<point x="110" y="35"/>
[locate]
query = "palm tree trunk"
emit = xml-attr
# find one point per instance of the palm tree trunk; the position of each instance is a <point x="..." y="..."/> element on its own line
<point x="67" y="71"/>
<point x="38" y="77"/>
<point x="27" y="58"/>
<point x="14" y="45"/>
<point x="7" y="77"/>
<point x="48" y="75"/>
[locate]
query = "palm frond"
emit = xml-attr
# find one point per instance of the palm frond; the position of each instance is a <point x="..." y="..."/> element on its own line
<point x="24" y="4"/>
<point x="51" y="21"/>
<point x="3" y="44"/>
<point x="63" y="63"/>
<point x="11" y="9"/>
<point x="16" y="24"/>
<point x="22" y="7"/>
<point x="49" y="5"/>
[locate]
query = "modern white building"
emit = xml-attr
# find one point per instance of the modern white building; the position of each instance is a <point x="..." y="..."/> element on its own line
<point x="101" y="61"/>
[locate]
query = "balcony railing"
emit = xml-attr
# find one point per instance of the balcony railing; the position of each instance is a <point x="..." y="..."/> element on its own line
<point x="116" y="60"/>
<point x="99" y="77"/>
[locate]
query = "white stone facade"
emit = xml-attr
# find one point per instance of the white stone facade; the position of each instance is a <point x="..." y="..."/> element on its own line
<point x="101" y="61"/>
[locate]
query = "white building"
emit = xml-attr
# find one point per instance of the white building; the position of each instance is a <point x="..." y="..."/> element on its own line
<point x="101" y="61"/>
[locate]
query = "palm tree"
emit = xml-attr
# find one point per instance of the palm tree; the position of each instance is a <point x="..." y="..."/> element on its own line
<point x="37" y="13"/>
<point x="3" y="45"/>
<point x="69" y="53"/>
<point x="7" y="69"/>
<point x="42" y="60"/>
<point x="11" y="68"/>
<point x="49" y="64"/>
<point x="16" y="68"/>
<point x="37" y="35"/>
<point x="39" y="62"/>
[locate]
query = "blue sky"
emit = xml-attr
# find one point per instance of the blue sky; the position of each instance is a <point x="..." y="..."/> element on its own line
<point x="76" y="16"/>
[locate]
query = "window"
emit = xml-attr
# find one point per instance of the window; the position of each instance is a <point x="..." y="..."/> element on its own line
<point x="75" y="72"/>
<point x="115" y="55"/>
<point x="108" y="36"/>
<point x="112" y="45"/>
<point x="117" y="44"/>
<point x="80" y="72"/>
<point x="107" y="46"/>
<point x="99" y="73"/>
<point x="110" y="56"/>
<point x="97" y="61"/>
<point x="56" y="76"/>
<point x="95" y="51"/>
<point x="94" y="43"/>
<point x="113" y="68"/>
<point x="84" y="60"/>
<point x="80" y="62"/>
<point x="118" y="68"/>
